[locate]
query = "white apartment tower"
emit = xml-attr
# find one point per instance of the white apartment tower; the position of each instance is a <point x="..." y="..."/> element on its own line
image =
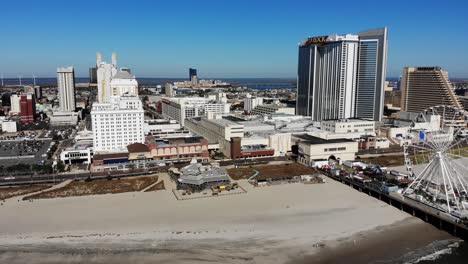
<point x="15" y="104"/>
<point x="117" y="123"/>
<point x="105" y="72"/>
<point x="251" y="102"/>
<point x="66" y="89"/>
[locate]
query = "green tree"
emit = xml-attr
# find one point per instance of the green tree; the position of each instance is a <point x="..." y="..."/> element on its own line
<point x="60" y="166"/>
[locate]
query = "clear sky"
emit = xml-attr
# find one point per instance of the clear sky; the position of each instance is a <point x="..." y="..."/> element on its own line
<point x="163" y="38"/>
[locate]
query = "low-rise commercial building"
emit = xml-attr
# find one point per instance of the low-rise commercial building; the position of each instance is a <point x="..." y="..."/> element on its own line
<point x="309" y="148"/>
<point x="198" y="177"/>
<point x="268" y="109"/>
<point x="80" y="150"/>
<point x="371" y="142"/>
<point x="111" y="162"/>
<point x="240" y="139"/>
<point x="8" y="126"/>
<point x="139" y="152"/>
<point x="348" y="126"/>
<point x="180" y="109"/>
<point x="178" y="149"/>
<point x="160" y="125"/>
<point x="59" y="118"/>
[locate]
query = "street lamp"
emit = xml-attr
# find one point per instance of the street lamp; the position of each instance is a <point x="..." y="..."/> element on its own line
<point x="53" y="173"/>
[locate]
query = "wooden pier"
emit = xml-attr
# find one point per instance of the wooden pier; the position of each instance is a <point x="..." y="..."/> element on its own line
<point x="431" y="215"/>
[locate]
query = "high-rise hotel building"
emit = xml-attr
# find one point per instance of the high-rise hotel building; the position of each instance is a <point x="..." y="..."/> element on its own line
<point x="66" y="89"/>
<point x="342" y="76"/>
<point x="117" y="123"/>
<point x="424" y="87"/>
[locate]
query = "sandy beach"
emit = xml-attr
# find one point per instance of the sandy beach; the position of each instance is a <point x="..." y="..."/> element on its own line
<point x="275" y="224"/>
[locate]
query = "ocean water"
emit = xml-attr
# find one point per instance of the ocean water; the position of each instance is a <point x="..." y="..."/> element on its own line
<point x="253" y="83"/>
<point x="438" y="252"/>
<point x="441" y="253"/>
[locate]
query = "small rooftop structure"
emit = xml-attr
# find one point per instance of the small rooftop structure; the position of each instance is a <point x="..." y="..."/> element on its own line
<point x="123" y="74"/>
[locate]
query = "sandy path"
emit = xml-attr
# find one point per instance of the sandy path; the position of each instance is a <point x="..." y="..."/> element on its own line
<point x="57" y="186"/>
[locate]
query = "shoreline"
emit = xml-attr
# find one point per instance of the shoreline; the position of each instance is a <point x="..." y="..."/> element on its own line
<point x="384" y="244"/>
<point x="395" y="243"/>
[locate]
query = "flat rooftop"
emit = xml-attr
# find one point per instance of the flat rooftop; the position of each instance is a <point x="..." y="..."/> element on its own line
<point x="348" y="120"/>
<point x="316" y="140"/>
<point x="173" y="141"/>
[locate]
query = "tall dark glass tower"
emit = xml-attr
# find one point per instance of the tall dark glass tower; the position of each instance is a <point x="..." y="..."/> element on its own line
<point x="192" y="72"/>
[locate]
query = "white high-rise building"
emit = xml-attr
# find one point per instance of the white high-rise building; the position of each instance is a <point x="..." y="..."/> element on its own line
<point x="251" y="102"/>
<point x="105" y="71"/>
<point x="342" y="76"/>
<point x="15" y="104"/>
<point x="117" y="124"/>
<point x="184" y="107"/>
<point x="66" y="89"/>
<point x="169" y="90"/>
<point x="124" y="83"/>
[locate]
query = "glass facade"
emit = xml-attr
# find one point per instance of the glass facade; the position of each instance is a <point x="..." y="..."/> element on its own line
<point x="367" y="79"/>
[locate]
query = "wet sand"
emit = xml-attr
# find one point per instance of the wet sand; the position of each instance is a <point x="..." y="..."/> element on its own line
<point x="393" y="243"/>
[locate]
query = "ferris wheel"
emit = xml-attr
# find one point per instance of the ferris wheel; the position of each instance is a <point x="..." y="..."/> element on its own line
<point x="436" y="158"/>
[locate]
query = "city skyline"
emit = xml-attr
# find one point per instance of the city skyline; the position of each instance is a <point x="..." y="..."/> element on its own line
<point x="235" y="40"/>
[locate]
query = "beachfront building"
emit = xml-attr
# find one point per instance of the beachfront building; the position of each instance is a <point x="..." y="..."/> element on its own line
<point x="80" y="150"/>
<point x="111" y="162"/>
<point x="178" y="149"/>
<point x="198" y="177"/>
<point x="181" y="108"/>
<point x="424" y="87"/>
<point x="309" y="148"/>
<point x="342" y="76"/>
<point x="118" y="123"/>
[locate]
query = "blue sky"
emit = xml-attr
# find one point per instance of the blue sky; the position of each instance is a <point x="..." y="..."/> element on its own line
<point x="220" y="38"/>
